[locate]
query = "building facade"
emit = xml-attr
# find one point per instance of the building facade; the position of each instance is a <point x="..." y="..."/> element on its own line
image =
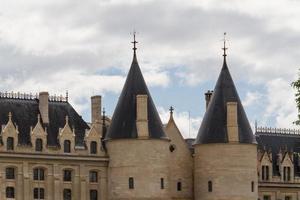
<point x="47" y="151"/>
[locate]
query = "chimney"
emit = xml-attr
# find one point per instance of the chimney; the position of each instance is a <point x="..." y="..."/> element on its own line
<point x="208" y="95"/>
<point x="44" y="106"/>
<point x="96" y="109"/>
<point x="142" y="116"/>
<point x="232" y="123"/>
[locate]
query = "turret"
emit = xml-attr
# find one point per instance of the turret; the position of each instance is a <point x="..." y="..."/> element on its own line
<point x="137" y="145"/>
<point x="225" y="160"/>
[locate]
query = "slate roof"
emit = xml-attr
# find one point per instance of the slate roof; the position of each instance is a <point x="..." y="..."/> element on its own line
<point x="213" y="128"/>
<point x="274" y="142"/>
<point x="25" y="112"/>
<point x="123" y="123"/>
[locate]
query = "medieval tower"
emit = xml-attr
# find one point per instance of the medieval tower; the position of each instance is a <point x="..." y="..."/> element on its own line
<point x="137" y="144"/>
<point x="225" y="148"/>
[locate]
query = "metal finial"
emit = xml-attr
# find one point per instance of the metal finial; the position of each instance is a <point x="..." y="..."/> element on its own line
<point x="171" y="110"/>
<point x="103" y="112"/>
<point x="224" y="47"/>
<point x="67" y="96"/>
<point x="134" y="42"/>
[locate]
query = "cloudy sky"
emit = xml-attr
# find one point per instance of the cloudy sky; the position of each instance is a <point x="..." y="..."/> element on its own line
<point x="84" y="47"/>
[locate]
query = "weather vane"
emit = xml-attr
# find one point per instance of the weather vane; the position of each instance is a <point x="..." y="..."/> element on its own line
<point x="224" y="47"/>
<point x="134" y="41"/>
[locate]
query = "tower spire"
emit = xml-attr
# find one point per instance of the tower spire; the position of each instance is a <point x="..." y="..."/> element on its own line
<point x="224" y="47"/>
<point x="134" y="42"/>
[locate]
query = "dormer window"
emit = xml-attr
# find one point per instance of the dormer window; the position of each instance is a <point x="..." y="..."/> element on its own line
<point x="93" y="147"/>
<point x="265" y="173"/>
<point x="67" y="146"/>
<point x="286" y="173"/>
<point x="10" y="143"/>
<point x="38" y="144"/>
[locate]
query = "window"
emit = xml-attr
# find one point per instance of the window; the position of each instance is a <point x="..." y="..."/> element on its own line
<point x="93" y="147"/>
<point x="266" y="197"/>
<point x="67" y="175"/>
<point x="10" y="173"/>
<point x="38" y="174"/>
<point x="287" y="198"/>
<point x="93" y="177"/>
<point x="265" y="173"/>
<point x="93" y="194"/>
<point x="10" y="192"/>
<point x="38" y="144"/>
<point x="252" y="186"/>
<point x="179" y="186"/>
<point x="67" y="194"/>
<point x="210" y="187"/>
<point x="67" y="146"/>
<point x="131" y="183"/>
<point x="286" y="173"/>
<point x="10" y="143"/>
<point x="38" y="193"/>
<point x="162" y="184"/>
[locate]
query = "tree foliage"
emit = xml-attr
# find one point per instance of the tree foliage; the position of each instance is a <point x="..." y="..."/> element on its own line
<point x="296" y="86"/>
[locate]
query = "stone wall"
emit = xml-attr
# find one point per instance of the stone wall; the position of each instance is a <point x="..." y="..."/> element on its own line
<point x="230" y="167"/>
<point x="146" y="161"/>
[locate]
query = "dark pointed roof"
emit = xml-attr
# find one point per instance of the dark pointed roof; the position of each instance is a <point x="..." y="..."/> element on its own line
<point x="123" y="124"/>
<point x="213" y="128"/>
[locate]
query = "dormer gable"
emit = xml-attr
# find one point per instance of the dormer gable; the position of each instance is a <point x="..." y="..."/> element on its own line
<point x="175" y="136"/>
<point x="10" y="129"/>
<point x="10" y="134"/>
<point x="266" y="157"/>
<point x="66" y="138"/>
<point x="38" y="130"/>
<point x="38" y="136"/>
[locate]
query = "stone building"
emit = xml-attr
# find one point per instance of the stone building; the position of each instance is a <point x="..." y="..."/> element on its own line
<point x="47" y="151"/>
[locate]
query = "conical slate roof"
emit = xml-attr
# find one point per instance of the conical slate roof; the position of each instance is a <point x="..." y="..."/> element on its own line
<point x="213" y="128"/>
<point x="123" y="124"/>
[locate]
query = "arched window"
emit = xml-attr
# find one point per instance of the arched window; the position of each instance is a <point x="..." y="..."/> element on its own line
<point x="10" y="173"/>
<point x="93" y="147"/>
<point x="39" y="144"/>
<point x="265" y="173"/>
<point x="93" y="195"/>
<point x="38" y="174"/>
<point x="67" y="146"/>
<point x="10" y="143"/>
<point x="162" y="183"/>
<point x="93" y="177"/>
<point x="179" y="186"/>
<point x="10" y="192"/>
<point x="288" y="173"/>
<point x="210" y="186"/>
<point x="131" y="183"/>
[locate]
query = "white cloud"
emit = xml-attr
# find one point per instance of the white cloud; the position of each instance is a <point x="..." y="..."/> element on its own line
<point x="251" y="98"/>
<point x="280" y="103"/>
<point x="66" y="44"/>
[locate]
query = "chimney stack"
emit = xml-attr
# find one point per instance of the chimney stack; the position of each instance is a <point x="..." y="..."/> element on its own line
<point x="44" y="106"/>
<point x="142" y="116"/>
<point x="232" y="122"/>
<point x="208" y="96"/>
<point x="96" y="109"/>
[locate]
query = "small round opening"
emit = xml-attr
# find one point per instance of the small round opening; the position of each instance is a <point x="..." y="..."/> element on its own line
<point x="172" y="147"/>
